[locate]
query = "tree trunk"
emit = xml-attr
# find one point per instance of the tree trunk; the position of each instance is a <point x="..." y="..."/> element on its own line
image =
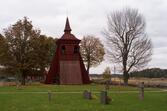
<point x="125" y="77"/>
<point x="43" y="73"/>
<point x="125" y="72"/>
<point x="88" y="66"/>
<point x="23" y="82"/>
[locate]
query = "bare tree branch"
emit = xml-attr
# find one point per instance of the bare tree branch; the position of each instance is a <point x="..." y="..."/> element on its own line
<point x="127" y="42"/>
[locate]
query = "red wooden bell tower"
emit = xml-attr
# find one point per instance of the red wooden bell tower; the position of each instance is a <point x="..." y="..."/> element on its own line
<point x="67" y="66"/>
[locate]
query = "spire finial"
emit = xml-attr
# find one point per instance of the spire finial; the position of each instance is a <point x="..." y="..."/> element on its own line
<point x="67" y="26"/>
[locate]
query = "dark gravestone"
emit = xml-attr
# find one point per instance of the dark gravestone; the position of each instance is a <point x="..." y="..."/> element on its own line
<point x="87" y="94"/>
<point x="104" y="99"/>
<point x="141" y="91"/>
<point x="49" y="96"/>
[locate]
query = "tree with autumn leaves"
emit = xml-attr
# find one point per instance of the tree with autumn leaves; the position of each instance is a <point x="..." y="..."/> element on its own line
<point x="24" y="50"/>
<point x="92" y="51"/>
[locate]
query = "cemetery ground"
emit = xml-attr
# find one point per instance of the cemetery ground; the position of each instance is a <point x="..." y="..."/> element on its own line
<point x="70" y="98"/>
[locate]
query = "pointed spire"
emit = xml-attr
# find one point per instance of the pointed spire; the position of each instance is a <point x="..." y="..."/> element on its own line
<point x="67" y="26"/>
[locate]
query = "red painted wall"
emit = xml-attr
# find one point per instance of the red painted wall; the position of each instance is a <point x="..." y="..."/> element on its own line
<point x="69" y="55"/>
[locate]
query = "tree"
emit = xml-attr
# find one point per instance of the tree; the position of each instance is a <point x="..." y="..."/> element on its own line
<point x="92" y="51"/>
<point x="18" y="37"/>
<point x="107" y="73"/>
<point x="107" y="77"/>
<point x="26" y="50"/>
<point x="42" y="53"/>
<point x="150" y="73"/>
<point x="3" y="50"/>
<point x="127" y="42"/>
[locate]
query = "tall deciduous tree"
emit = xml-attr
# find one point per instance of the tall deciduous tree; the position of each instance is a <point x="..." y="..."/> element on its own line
<point x="42" y="53"/>
<point x="127" y="42"/>
<point x="18" y="37"/>
<point x="24" y="50"/>
<point x="3" y="50"/>
<point x="107" y="73"/>
<point x="92" y="51"/>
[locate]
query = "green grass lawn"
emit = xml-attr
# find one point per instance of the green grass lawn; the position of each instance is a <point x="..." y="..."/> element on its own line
<point x="69" y="98"/>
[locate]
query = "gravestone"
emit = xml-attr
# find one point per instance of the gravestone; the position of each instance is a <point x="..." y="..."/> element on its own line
<point x="87" y="95"/>
<point x="104" y="99"/>
<point x="141" y="91"/>
<point x="49" y="96"/>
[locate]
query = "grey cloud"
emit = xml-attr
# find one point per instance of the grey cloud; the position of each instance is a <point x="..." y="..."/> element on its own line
<point x="88" y="17"/>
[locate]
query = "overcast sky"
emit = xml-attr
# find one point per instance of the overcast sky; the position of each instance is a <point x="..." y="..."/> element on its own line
<point x="89" y="17"/>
